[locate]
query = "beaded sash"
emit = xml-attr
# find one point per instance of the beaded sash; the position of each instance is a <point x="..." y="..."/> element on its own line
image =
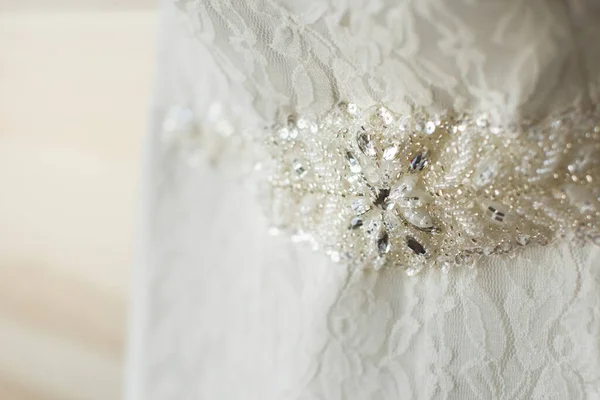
<point x="373" y="189"/>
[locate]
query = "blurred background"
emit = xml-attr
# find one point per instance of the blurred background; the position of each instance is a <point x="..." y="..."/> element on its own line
<point x="75" y="84"/>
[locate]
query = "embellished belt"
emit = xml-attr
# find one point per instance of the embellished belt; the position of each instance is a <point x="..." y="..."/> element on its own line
<point x="373" y="189"/>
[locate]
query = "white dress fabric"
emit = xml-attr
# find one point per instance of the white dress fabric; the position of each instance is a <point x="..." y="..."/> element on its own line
<point x="224" y="310"/>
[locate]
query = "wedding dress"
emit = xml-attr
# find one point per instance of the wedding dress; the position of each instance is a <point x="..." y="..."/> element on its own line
<point x="371" y="199"/>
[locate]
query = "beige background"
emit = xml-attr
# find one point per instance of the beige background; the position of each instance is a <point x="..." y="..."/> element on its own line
<point x="75" y="82"/>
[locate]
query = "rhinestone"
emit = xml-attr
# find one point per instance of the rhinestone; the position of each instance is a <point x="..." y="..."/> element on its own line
<point x="390" y="153"/>
<point x="416" y="198"/>
<point x="418" y="217"/>
<point x="430" y="127"/>
<point x="385" y="115"/>
<point x="284" y="133"/>
<point x="403" y="124"/>
<point x="366" y="145"/>
<point x="486" y="170"/>
<point x="405" y="186"/>
<point x="299" y="168"/>
<point x="419" y="161"/>
<point x="523" y="239"/>
<point x="356" y="223"/>
<point x="381" y="198"/>
<point x="494" y="210"/>
<point x="353" y="163"/>
<point x="415" y="246"/>
<point x="383" y="243"/>
<point x="359" y="206"/>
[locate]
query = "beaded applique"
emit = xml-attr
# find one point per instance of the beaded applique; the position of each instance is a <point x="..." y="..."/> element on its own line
<point x="373" y="189"/>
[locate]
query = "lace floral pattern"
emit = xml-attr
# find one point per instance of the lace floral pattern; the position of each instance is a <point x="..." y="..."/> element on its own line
<point x="427" y="53"/>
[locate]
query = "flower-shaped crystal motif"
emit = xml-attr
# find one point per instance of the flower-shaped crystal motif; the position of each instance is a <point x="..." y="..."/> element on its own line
<point x="374" y="188"/>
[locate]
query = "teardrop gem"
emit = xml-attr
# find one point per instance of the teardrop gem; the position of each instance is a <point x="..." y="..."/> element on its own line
<point x="418" y="217"/>
<point x="366" y="145"/>
<point x="353" y="163"/>
<point x="415" y="246"/>
<point x="383" y="243"/>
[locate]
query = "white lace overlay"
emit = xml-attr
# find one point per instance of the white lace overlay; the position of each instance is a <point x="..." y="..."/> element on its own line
<point x="231" y="313"/>
<point x="507" y="57"/>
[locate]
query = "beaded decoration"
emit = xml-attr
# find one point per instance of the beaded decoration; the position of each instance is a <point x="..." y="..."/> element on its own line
<point x="373" y="189"/>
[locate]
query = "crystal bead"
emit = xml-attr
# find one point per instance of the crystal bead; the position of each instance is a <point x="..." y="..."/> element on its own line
<point x="485" y="172"/>
<point x="383" y="243"/>
<point x="353" y="163"/>
<point x="299" y="168"/>
<point x="390" y="153"/>
<point x="495" y="211"/>
<point x="419" y="161"/>
<point x="360" y="206"/>
<point x="430" y="127"/>
<point x="418" y="217"/>
<point x="386" y="115"/>
<point x="405" y="186"/>
<point x="284" y="133"/>
<point x="381" y="198"/>
<point x="416" y="198"/>
<point x="356" y="223"/>
<point x="366" y="145"/>
<point x="415" y="246"/>
<point x="523" y="239"/>
<point x="403" y="124"/>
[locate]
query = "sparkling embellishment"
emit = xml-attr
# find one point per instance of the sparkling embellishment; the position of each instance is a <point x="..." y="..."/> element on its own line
<point x="429" y="127"/>
<point x="390" y="153"/>
<point x="353" y="163"/>
<point x="420" y="191"/>
<point x="374" y="189"/>
<point x="299" y="168"/>
<point x="415" y="246"/>
<point x="366" y="145"/>
<point x="383" y="243"/>
<point x="419" y="161"/>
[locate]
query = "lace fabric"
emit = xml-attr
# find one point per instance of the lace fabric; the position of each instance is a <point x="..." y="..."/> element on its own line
<point x="232" y="313"/>
<point x="510" y="57"/>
